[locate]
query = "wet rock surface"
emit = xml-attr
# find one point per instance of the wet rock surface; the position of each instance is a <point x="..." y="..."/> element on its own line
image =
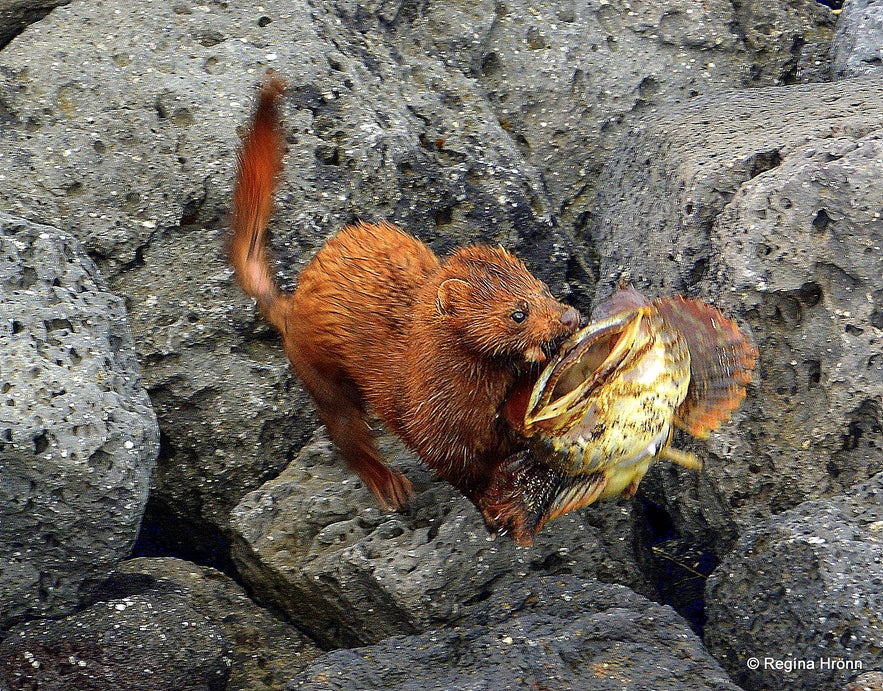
<point x="155" y="643"/>
<point x="263" y="651"/>
<point x="158" y="624"/>
<point x="78" y="437"/>
<point x="551" y="633"/>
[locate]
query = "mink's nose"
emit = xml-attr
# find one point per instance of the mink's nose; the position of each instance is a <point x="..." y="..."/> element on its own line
<point x="570" y="319"/>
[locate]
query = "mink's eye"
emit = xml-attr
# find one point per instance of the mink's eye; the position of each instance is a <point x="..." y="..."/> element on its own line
<point x="518" y="316"/>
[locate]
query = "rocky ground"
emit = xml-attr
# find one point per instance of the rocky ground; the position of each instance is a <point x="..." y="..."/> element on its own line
<point x="726" y="150"/>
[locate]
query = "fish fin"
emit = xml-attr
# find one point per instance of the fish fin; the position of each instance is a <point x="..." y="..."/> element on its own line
<point x="721" y="361"/>
<point x="523" y="494"/>
<point x="576" y="493"/>
<point x="685" y="459"/>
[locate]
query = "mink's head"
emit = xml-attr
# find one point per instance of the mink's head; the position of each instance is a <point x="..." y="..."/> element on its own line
<point x="494" y="306"/>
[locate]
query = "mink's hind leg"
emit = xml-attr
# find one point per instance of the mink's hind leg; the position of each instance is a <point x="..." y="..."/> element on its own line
<point x="341" y="409"/>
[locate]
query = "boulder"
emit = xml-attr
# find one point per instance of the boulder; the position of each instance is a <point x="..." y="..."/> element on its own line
<point x="78" y="437"/>
<point x="555" y="632"/>
<point x="767" y="203"/>
<point x="857" y="48"/>
<point x="802" y="594"/>
<point x="15" y="15"/>
<point x="566" y="79"/>
<point x="264" y="652"/>
<point x="145" y="642"/>
<point x="158" y="624"/>
<point x="313" y="544"/>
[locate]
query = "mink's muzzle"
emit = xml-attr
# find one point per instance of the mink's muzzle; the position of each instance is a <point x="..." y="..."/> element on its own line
<point x="571" y="319"/>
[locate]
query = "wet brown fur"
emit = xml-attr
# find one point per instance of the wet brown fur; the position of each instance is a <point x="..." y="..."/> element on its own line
<point x="378" y="322"/>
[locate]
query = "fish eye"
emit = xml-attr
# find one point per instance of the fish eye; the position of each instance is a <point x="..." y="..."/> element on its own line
<point x="518" y="316"/>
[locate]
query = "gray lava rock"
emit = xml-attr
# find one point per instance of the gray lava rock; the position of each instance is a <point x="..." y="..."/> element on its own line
<point x="313" y="544"/>
<point x="144" y="642"/>
<point x="264" y="652"/>
<point x="858" y="41"/>
<point x="78" y="437"/>
<point x="565" y="633"/>
<point x="871" y="681"/>
<point x="458" y="123"/>
<point x="766" y="202"/>
<point x="566" y="79"/>
<point x="806" y="585"/>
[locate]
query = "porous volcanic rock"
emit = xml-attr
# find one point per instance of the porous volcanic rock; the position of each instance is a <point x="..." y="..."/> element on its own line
<point x="264" y="652"/>
<point x="15" y="15"/>
<point x="78" y="437"/>
<point x="766" y="202"/>
<point x="566" y="633"/>
<point x="804" y="586"/>
<point x="858" y="41"/>
<point x="145" y="642"/>
<point x="313" y="543"/>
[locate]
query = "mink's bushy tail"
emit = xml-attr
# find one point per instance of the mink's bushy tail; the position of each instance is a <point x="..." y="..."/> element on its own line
<point x="260" y="163"/>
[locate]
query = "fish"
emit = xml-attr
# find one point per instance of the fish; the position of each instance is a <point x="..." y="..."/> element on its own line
<point x="605" y="407"/>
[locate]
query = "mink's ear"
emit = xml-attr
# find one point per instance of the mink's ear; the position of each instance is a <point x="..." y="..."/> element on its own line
<point x="452" y="293"/>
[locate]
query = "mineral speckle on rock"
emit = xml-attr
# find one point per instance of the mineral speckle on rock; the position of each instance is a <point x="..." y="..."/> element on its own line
<point x="313" y="544"/>
<point x="562" y="632"/>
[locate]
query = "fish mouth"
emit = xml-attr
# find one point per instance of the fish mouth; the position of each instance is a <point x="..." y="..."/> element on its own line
<point x="587" y="359"/>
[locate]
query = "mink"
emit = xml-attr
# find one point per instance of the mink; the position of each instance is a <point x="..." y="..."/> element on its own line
<point x="378" y="324"/>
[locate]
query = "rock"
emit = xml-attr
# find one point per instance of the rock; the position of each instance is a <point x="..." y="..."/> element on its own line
<point x="806" y="585"/>
<point x="313" y="544"/>
<point x="264" y="652"/>
<point x="460" y="124"/>
<point x="78" y="437"/>
<point x="767" y="203"/>
<point x="230" y="412"/>
<point x="142" y="137"/>
<point x="146" y="642"/>
<point x="566" y="79"/>
<point x="565" y="632"/>
<point x="15" y="15"/>
<point x="858" y="41"/>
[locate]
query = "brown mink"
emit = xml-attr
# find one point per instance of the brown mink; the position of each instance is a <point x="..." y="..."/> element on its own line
<point x="379" y="323"/>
